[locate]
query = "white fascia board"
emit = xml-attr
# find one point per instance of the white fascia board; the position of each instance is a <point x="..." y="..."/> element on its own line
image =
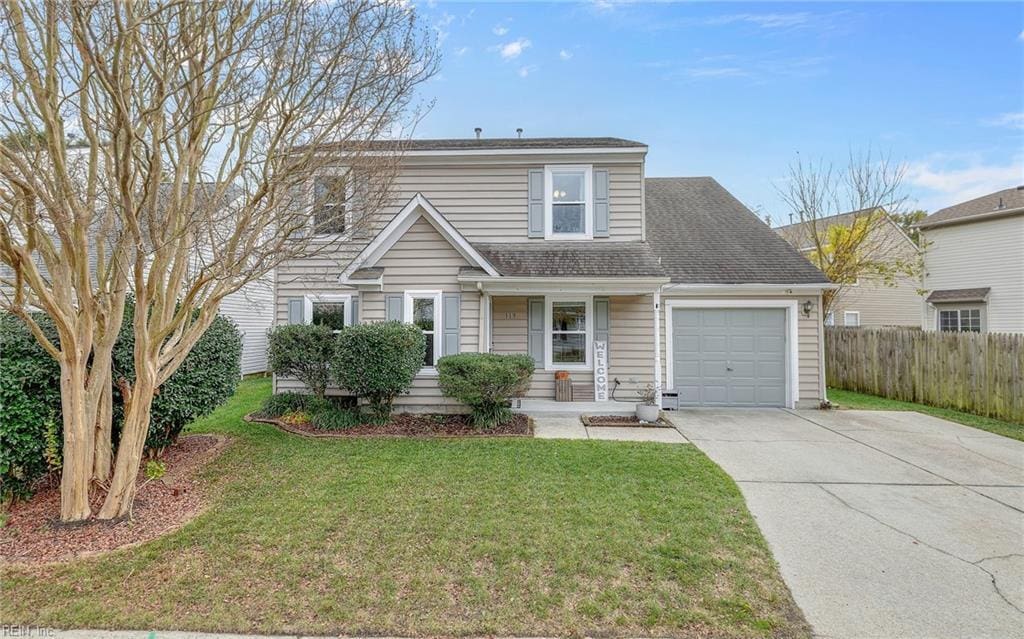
<point x="402" y="222"/>
<point x="558" y="151"/>
<point x="594" y="286"/>
<point x="734" y="289"/>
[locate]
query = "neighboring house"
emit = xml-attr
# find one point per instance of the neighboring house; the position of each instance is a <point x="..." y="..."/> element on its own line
<point x="869" y="302"/>
<point x="974" y="264"/>
<point x="251" y="308"/>
<point x="545" y="246"/>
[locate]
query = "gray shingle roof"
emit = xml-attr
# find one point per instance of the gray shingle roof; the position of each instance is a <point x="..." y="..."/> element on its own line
<point x="468" y="144"/>
<point x="959" y="295"/>
<point x="573" y="259"/>
<point x="1005" y="200"/>
<point x="800" y="234"/>
<point x="704" y="235"/>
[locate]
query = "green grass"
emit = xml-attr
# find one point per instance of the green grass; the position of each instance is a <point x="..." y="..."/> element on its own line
<point x="435" y="537"/>
<point x="850" y="399"/>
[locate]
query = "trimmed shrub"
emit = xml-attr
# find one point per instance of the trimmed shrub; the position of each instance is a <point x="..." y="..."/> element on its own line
<point x="485" y="382"/>
<point x="29" y="407"/>
<point x="302" y="351"/>
<point x="30" y="410"/>
<point x="206" y="379"/>
<point x="378" y="362"/>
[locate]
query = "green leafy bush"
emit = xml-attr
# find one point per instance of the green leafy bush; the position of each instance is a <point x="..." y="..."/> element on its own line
<point x="206" y="379"/>
<point x="485" y="382"/>
<point x="30" y="411"/>
<point x="29" y="406"/>
<point x="302" y="351"/>
<point x="377" y="362"/>
<point x="334" y="418"/>
<point x="282" y="404"/>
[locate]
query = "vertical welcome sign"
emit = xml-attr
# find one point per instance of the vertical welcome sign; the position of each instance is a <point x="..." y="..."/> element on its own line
<point x="600" y="371"/>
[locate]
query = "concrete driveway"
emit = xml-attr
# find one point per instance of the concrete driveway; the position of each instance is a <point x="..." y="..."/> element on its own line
<point x="885" y="524"/>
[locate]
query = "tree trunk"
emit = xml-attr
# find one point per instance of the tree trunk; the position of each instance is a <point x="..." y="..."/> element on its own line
<point x="134" y="429"/>
<point x="103" y="434"/>
<point x="78" y="438"/>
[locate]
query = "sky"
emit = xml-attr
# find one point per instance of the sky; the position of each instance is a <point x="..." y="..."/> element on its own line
<point x="739" y="91"/>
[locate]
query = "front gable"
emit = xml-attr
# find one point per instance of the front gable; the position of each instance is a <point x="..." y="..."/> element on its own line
<point x="423" y="220"/>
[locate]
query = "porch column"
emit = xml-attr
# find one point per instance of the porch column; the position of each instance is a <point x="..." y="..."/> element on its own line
<point x="657" y="347"/>
<point x="484" y="332"/>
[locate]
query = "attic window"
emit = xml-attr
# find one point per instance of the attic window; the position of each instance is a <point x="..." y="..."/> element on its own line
<point x="568" y="199"/>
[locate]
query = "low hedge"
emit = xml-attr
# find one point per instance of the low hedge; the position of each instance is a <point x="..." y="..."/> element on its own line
<point x="485" y="382"/>
<point x="302" y="351"/>
<point x="377" y="362"/>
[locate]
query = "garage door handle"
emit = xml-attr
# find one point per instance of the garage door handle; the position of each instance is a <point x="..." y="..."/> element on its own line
<point x="728" y="369"/>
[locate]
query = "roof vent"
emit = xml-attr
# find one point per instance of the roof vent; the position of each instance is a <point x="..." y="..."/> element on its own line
<point x="478" y="131"/>
<point x="519" y="133"/>
<point x="1000" y="206"/>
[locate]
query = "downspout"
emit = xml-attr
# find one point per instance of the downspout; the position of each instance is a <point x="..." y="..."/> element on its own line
<point x="821" y="354"/>
<point x="657" y="347"/>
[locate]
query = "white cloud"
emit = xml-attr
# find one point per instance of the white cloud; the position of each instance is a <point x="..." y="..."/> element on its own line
<point x="764" y="20"/>
<point x="441" y="26"/>
<point x="499" y="30"/>
<point x="565" y="55"/>
<point x="715" y="72"/>
<point x="1020" y="36"/>
<point x="1012" y="120"/>
<point x="461" y="51"/>
<point x="512" y="50"/>
<point x="527" y="70"/>
<point x="948" y="185"/>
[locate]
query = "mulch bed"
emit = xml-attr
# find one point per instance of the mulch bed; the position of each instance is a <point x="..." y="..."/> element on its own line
<point x="622" y="420"/>
<point x="412" y="425"/>
<point x="34" y="533"/>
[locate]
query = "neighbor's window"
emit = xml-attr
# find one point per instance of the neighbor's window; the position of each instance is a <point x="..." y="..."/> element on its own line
<point x="425" y="313"/>
<point x="568" y="333"/>
<point x="568" y="201"/>
<point x="329" y="196"/>
<point x="851" y="318"/>
<point x="830" y="319"/>
<point x="966" y="319"/>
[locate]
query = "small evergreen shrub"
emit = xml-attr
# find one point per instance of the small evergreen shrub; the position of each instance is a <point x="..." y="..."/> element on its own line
<point x="485" y="382"/>
<point x="377" y="362"/>
<point x="302" y="351"/>
<point x="30" y="432"/>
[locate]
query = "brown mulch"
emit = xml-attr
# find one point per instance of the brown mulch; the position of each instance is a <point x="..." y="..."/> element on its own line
<point x="622" y="420"/>
<point x="412" y="425"/>
<point x="34" y="533"/>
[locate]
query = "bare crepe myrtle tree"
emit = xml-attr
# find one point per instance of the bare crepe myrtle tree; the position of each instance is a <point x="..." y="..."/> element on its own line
<point x="216" y="140"/>
<point x="865" y="244"/>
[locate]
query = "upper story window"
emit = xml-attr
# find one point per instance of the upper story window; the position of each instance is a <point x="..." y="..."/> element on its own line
<point x="330" y="195"/>
<point x="964" y="319"/>
<point x="568" y="202"/>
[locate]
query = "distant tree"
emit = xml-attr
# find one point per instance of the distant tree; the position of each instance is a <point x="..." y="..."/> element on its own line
<point x="906" y="221"/>
<point x="870" y="187"/>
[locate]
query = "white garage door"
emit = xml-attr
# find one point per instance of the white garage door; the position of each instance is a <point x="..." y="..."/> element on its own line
<point x="729" y="356"/>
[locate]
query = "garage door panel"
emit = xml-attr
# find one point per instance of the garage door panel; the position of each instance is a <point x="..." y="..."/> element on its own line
<point x="729" y="357"/>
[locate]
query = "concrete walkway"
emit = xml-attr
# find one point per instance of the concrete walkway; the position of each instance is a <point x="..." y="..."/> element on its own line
<point x="572" y="428"/>
<point x="885" y="524"/>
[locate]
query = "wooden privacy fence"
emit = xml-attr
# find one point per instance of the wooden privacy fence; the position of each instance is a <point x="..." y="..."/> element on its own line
<point x="981" y="373"/>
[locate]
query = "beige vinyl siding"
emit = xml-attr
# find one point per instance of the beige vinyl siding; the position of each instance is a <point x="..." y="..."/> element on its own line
<point x="980" y="254"/>
<point x="880" y="305"/>
<point x="809" y="353"/>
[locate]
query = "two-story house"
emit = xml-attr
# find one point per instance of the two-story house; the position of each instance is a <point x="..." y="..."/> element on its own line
<point x="974" y="264"/>
<point x="547" y="246"/>
<point x="872" y="301"/>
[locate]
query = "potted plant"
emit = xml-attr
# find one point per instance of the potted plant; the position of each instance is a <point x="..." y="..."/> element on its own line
<point x="647" y="409"/>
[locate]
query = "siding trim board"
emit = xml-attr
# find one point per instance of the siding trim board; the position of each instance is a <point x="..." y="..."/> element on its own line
<point x="792" y="335"/>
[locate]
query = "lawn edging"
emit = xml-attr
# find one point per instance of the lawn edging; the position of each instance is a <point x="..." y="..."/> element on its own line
<point x="348" y="434"/>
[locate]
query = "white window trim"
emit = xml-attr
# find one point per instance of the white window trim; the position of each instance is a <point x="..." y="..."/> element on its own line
<point x="588" y="301"/>
<point x="349" y="194"/>
<point x="409" y="296"/>
<point x="959" y="322"/>
<point x="588" y="199"/>
<point x="308" y="300"/>
<point x="846" y="322"/>
<point x="792" y="336"/>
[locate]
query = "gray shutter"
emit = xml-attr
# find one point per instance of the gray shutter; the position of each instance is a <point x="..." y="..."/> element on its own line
<point x="355" y="309"/>
<point x="393" y="305"/>
<point x="535" y="224"/>
<point x="296" y="309"/>
<point x="535" y="323"/>
<point x="600" y="203"/>
<point x="601" y="308"/>
<point x="450" y="311"/>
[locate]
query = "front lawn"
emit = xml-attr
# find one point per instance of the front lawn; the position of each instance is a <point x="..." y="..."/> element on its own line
<point x="850" y="399"/>
<point x="434" y="537"/>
